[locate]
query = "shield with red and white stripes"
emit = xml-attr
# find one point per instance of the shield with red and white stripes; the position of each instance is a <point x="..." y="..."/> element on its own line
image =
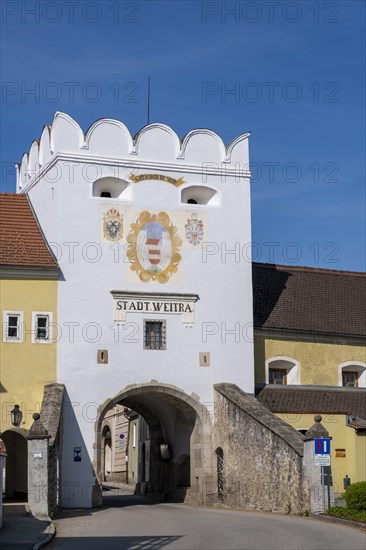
<point x="153" y="245"/>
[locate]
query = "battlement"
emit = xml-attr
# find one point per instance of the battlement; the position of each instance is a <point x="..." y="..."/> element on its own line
<point x="110" y="140"/>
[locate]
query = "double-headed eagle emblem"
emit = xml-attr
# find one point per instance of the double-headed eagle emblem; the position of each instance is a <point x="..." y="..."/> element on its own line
<point x="113" y="225"/>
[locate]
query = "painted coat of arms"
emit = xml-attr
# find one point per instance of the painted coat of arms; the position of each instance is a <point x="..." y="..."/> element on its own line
<point x="194" y="230"/>
<point x="154" y="247"/>
<point x="112" y="225"/>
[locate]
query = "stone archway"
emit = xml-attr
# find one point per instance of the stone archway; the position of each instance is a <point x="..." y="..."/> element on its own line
<point x="177" y="422"/>
<point x="16" y="470"/>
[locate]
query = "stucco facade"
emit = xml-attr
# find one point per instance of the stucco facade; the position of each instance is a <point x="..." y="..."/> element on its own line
<point x="155" y="308"/>
<point x="26" y="366"/>
<point x="115" y="434"/>
<point x="319" y="358"/>
<point x="145" y="229"/>
<point x="318" y="361"/>
<point x="348" y="448"/>
<point x="28" y="298"/>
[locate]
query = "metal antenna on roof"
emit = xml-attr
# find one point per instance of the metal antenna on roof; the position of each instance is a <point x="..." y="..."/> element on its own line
<point x="148" y="101"/>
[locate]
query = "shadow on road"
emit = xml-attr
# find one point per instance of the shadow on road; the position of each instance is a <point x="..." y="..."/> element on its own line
<point x="118" y="500"/>
<point x="114" y="543"/>
<point x="113" y="497"/>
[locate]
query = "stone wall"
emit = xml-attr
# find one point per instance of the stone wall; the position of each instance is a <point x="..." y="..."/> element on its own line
<point x="45" y="454"/>
<point x="38" y="469"/>
<point x="51" y="412"/>
<point x="262" y="455"/>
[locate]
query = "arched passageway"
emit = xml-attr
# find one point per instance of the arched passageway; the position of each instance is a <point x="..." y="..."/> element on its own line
<point x="16" y="468"/>
<point x="176" y="462"/>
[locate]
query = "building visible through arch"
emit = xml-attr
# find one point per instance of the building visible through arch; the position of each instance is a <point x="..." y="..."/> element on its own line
<point x="176" y="464"/>
<point x="16" y="465"/>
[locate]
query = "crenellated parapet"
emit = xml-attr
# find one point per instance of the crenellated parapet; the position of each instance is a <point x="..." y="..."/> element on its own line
<point x="111" y="141"/>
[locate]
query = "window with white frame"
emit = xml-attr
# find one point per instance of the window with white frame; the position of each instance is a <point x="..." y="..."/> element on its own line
<point x="282" y="370"/>
<point x="13" y="326"/>
<point x="352" y="374"/>
<point x="42" y="327"/>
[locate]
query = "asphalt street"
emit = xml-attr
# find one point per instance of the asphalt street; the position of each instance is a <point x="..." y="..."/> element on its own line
<point x="135" y="523"/>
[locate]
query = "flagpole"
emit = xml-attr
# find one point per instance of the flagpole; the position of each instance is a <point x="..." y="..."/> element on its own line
<point x="148" y="101"/>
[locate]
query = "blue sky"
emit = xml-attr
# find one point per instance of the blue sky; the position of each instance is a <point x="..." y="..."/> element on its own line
<point x="295" y="70"/>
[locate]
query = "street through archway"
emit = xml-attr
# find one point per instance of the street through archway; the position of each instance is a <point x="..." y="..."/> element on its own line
<point x="148" y="525"/>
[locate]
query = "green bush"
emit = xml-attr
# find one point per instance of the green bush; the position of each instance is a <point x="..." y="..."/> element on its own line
<point x="355" y="496"/>
<point x="347" y="513"/>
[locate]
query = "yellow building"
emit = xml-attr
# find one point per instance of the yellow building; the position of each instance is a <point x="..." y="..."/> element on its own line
<point x="28" y="297"/>
<point x="310" y="355"/>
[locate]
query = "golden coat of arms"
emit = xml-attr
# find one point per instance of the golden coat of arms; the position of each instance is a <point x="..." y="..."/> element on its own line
<point x="154" y="247"/>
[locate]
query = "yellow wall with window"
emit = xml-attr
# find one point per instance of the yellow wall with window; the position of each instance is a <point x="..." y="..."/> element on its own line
<point x="343" y="437"/>
<point x="25" y="366"/>
<point x="318" y="364"/>
<point x="319" y="360"/>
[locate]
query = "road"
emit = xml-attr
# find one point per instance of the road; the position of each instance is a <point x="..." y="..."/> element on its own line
<point x="135" y="523"/>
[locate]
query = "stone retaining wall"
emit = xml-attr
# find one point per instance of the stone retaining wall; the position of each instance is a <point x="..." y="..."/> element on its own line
<point x="262" y="455"/>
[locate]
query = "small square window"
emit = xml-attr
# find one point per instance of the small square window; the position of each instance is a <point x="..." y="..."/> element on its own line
<point x="42" y="327"/>
<point x="13" y="326"/>
<point x="350" y="379"/>
<point x="278" y="376"/>
<point x="154" y="335"/>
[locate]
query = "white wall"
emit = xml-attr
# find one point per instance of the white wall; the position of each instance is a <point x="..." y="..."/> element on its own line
<point x="69" y="214"/>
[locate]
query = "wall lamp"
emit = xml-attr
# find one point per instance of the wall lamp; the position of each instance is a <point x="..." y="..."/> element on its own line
<point x="16" y="416"/>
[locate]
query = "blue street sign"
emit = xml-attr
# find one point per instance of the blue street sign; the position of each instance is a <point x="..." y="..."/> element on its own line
<point x="77" y="454"/>
<point x="322" y="446"/>
<point x="121" y="436"/>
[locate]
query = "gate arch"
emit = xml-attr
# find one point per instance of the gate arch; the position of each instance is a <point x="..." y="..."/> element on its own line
<point x="16" y="470"/>
<point x="174" y="418"/>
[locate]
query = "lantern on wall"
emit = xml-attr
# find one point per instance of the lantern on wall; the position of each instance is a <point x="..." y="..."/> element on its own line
<point x="16" y="416"/>
<point x="165" y="452"/>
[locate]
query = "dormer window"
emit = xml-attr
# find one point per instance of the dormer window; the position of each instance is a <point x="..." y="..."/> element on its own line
<point x="350" y="379"/>
<point x="282" y="370"/>
<point x="277" y="376"/>
<point x="352" y="374"/>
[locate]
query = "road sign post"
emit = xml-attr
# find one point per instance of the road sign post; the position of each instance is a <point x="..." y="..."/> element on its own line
<point x="322" y="459"/>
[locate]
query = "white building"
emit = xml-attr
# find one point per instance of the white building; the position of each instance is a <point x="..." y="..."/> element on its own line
<point x="152" y="237"/>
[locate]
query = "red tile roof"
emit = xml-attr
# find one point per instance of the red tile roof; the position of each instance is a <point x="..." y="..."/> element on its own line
<point x="22" y="243"/>
<point x="309" y="300"/>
